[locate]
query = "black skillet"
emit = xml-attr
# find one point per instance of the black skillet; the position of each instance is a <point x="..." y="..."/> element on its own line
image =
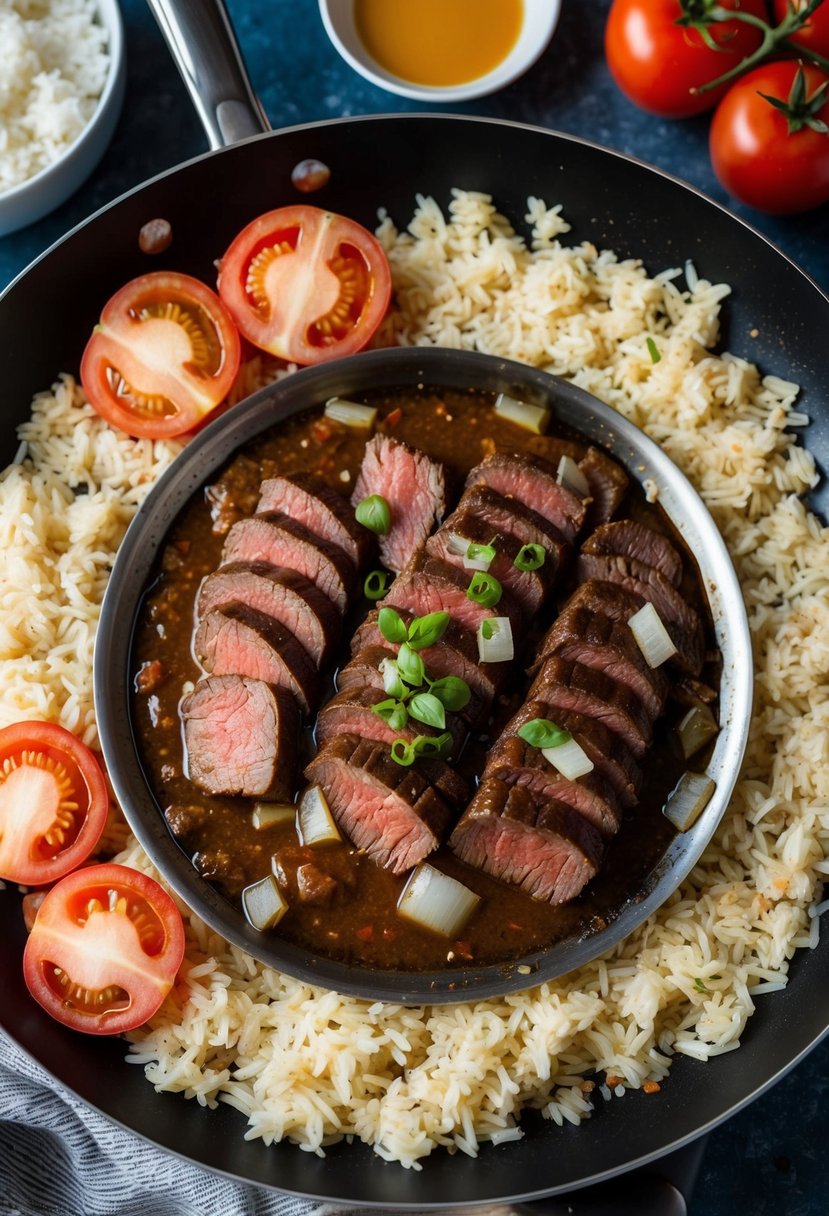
<point x="776" y="316"/>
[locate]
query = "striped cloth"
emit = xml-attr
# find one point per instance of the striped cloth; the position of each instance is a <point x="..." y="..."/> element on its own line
<point x="59" y="1157"/>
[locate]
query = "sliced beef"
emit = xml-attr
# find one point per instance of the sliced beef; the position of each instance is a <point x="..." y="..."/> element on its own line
<point x="608" y="483"/>
<point x="313" y="503"/>
<point x="529" y="588"/>
<point x="393" y="813"/>
<point x="611" y="757"/>
<point x="287" y="596"/>
<point x="351" y="712"/>
<point x="281" y="541"/>
<point x="363" y="671"/>
<point x="630" y="538"/>
<point x="241" y="736"/>
<point x="565" y="686"/>
<point x="522" y="837"/>
<point x="432" y="585"/>
<point x="414" y="486"/>
<point x="237" y="640"/>
<point x="681" y="621"/>
<point x="510" y="515"/>
<point x="519" y="764"/>
<point x="597" y="640"/>
<point x="531" y="480"/>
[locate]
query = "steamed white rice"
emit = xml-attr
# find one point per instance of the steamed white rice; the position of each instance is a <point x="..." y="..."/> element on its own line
<point x="54" y="61"/>
<point x="313" y="1066"/>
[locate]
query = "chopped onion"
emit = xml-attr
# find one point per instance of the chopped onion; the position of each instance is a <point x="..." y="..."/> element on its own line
<point x="530" y="417"/>
<point x="688" y="800"/>
<point x="436" y="901"/>
<point x="571" y="477"/>
<point x="696" y="729"/>
<point x="495" y="644"/>
<point x="651" y="636"/>
<point x="569" y="758"/>
<point x="350" y="413"/>
<point x="267" y="814"/>
<point x="457" y="544"/>
<point x="314" y="819"/>
<point x="263" y="903"/>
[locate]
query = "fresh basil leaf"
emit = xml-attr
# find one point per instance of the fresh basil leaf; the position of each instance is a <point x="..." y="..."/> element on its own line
<point x="374" y="513"/>
<point x="452" y="692"/>
<point x="426" y="630"/>
<point x="393" y="713"/>
<point x="428" y="709"/>
<point x="391" y="625"/>
<point x="410" y="666"/>
<point x="539" y="732"/>
<point x="392" y="683"/>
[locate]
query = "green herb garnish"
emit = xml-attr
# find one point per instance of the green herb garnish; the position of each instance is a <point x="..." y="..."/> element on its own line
<point x="374" y="513"/>
<point x="377" y="584"/>
<point x="530" y="557"/>
<point x="484" y="589"/>
<point x="653" y="350"/>
<point x="539" y="732"/>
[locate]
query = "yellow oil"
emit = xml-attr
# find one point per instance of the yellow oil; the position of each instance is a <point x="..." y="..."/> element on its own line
<point x="438" y="42"/>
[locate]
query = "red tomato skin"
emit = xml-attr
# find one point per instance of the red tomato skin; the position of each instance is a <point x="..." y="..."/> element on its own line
<point x="325" y="231"/>
<point x="657" y="63"/>
<point x="196" y="398"/>
<point x="815" y="33"/>
<point x="53" y="740"/>
<point x="754" y="156"/>
<point x="56" y="933"/>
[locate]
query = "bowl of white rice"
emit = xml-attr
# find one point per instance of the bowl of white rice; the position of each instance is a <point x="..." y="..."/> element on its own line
<point x="62" y="77"/>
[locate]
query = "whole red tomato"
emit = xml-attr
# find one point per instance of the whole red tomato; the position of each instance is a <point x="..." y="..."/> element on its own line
<point x="762" y="156"/>
<point x="658" y="63"/>
<point x="815" y="33"/>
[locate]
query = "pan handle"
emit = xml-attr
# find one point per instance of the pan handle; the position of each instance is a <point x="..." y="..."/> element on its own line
<point x="204" y="47"/>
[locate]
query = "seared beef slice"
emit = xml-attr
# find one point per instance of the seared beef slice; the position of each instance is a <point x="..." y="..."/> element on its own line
<point x="309" y="501"/>
<point x="396" y="814"/>
<point x="531" y="481"/>
<point x="280" y="541"/>
<point x="241" y="737"/>
<point x="530" y="840"/>
<point x="413" y="485"/>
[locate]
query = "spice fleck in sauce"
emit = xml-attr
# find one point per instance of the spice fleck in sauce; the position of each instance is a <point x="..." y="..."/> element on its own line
<point x="439" y="42"/>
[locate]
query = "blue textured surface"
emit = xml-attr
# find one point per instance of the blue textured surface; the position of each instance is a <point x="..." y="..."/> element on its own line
<point x="772" y="1157"/>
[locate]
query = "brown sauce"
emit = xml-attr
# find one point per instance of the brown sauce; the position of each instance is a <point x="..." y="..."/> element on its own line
<point x="362" y="925"/>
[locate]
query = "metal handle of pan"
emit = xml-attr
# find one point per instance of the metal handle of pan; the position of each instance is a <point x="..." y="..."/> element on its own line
<point x="204" y="47"/>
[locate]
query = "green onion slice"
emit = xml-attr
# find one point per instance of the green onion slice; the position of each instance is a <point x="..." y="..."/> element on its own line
<point x="484" y="589"/>
<point x="653" y="350"/>
<point x="391" y="625"/>
<point x="530" y="557"/>
<point x="478" y="557"/>
<point x="452" y="692"/>
<point x="426" y="630"/>
<point x="402" y="753"/>
<point x="377" y="584"/>
<point x="374" y="513"/>
<point x="426" y="707"/>
<point x="539" y="732"/>
<point x="433" y="746"/>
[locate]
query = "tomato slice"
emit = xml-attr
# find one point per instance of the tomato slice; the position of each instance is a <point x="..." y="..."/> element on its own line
<point x="306" y="285"/>
<point x="104" y="950"/>
<point x="164" y="355"/>
<point x="53" y="802"/>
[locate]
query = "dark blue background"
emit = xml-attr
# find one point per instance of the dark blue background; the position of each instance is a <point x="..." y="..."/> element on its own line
<point x="771" y="1158"/>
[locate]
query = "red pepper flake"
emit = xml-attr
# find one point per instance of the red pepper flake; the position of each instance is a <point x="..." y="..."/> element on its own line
<point x="365" y="933"/>
<point x="321" y="430"/>
<point x="463" y="950"/>
<point x="393" y="418"/>
<point x="651" y="1087"/>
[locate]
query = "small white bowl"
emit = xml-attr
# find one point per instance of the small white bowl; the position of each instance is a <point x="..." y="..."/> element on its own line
<point x="39" y="195"/>
<point x="540" y="20"/>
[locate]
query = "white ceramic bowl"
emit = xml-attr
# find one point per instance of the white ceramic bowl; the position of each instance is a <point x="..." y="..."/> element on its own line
<point x="540" y="20"/>
<point x="37" y="196"/>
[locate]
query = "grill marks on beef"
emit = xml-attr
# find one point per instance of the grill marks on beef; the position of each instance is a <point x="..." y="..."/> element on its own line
<point x="565" y="686"/>
<point x="351" y="712"/>
<point x="535" y="842"/>
<point x="531" y="479"/>
<point x="630" y="538"/>
<point x="397" y="815"/>
<point x="432" y="585"/>
<point x="240" y="737"/>
<point x="414" y="486"/>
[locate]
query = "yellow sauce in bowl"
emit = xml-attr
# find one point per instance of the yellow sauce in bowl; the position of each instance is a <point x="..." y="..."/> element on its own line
<point x="438" y="42"/>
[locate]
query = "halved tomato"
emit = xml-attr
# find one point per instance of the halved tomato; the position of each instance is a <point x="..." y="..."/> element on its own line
<point x="104" y="950"/>
<point x="305" y="284"/>
<point x="164" y="355"/>
<point x="53" y="802"/>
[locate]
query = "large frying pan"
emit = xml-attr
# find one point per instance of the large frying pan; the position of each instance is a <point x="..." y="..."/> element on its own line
<point x="776" y="316"/>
